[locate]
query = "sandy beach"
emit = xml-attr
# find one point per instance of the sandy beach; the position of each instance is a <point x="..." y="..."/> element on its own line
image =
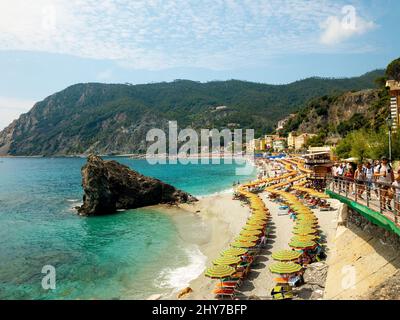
<point x="224" y="218"/>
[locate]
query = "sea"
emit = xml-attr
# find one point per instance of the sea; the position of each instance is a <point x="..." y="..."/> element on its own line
<point x="47" y="251"/>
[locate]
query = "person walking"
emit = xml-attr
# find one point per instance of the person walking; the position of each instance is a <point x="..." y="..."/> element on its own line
<point x="385" y="176"/>
<point x="396" y="192"/>
<point x="359" y="178"/>
<point x="369" y="178"/>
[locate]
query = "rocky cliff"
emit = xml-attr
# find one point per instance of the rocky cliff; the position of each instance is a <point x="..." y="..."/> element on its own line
<point x="109" y="186"/>
<point x="335" y="116"/>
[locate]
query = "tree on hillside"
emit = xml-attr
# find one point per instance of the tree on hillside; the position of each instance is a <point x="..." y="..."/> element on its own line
<point x="393" y="70"/>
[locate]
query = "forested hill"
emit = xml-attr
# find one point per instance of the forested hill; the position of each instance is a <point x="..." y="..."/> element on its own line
<point x="114" y="118"/>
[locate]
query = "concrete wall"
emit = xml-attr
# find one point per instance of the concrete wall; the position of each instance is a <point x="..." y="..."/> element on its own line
<point x="361" y="257"/>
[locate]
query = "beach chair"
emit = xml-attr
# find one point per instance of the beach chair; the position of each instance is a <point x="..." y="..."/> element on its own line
<point x="223" y="293"/>
<point x="281" y="280"/>
<point x="227" y="285"/>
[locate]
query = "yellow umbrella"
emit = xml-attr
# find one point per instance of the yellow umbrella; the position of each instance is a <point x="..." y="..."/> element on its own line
<point x="242" y="244"/>
<point x="308" y="237"/>
<point x="255" y="218"/>
<point x="251" y="233"/>
<point x="284" y="267"/>
<point x="298" y="244"/>
<point x="227" y="260"/>
<point x="286" y="255"/>
<point x="251" y="227"/>
<point x="247" y="238"/>
<point x="219" y="272"/>
<point x="257" y="223"/>
<point x="234" y="252"/>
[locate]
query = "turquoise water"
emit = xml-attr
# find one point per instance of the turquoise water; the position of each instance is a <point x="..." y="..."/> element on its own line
<point x="126" y="255"/>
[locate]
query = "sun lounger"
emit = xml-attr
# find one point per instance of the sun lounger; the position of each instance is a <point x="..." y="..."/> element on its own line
<point x="227" y="285"/>
<point x="283" y="296"/>
<point x="281" y="280"/>
<point x="222" y="293"/>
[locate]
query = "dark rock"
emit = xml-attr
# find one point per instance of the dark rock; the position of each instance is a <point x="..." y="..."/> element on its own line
<point x="110" y="186"/>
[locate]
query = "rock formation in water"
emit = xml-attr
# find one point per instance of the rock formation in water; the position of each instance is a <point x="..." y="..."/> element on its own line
<point x="109" y="186"/>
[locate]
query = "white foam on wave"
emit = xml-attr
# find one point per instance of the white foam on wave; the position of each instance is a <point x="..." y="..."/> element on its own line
<point x="181" y="277"/>
<point x="74" y="203"/>
<point x="225" y="191"/>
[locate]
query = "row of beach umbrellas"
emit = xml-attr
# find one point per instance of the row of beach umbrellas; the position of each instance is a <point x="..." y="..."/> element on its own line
<point x="248" y="238"/>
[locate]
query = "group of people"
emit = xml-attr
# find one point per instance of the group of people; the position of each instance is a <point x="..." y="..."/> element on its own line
<point x="377" y="176"/>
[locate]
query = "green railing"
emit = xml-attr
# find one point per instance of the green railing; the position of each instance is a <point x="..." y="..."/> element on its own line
<point x="367" y="201"/>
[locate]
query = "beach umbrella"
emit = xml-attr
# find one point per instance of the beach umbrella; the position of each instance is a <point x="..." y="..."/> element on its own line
<point x="247" y="233"/>
<point x="247" y="238"/>
<point x="234" y="252"/>
<point x="298" y="244"/>
<point x="219" y="272"/>
<point x="227" y="260"/>
<point x="255" y="218"/>
<point x="243" y="244"/>
<point x="257" y="222"/>
<point x="306" y="217"/>
<point x="305" y="231"/>
<point x="308" y="237"/>
<point x="259" y="215"/>
<point x="284" y="267"/>
<point x="251" y="227"/>
<point x="305" y="223"/>
<point x="286" y="255"/>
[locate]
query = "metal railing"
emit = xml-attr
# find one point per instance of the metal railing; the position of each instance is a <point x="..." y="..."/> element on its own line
<point x="379" y="197"/>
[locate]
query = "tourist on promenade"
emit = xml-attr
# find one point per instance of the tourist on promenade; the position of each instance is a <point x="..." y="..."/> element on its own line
<point x="377" y="163"/>
<point x="385" y="176"/>
<point x="359" y="178"/>
<point x="349" y="176"/>
<point x="369" y="178"/>
<point x="334" y="172"/>
<point x="340" y="174"/>
<point x="396" y="187"/>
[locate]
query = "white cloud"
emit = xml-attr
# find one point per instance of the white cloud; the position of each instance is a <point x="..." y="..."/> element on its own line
<point x="339" y="29"/>
<point x="159" y="34"/>
<point x="12" y="108"/>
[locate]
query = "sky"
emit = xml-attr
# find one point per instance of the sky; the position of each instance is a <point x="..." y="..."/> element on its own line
<point x="48" y="45"/>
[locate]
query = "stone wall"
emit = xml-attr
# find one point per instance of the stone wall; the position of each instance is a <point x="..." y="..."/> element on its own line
<point x="354" y="219"/>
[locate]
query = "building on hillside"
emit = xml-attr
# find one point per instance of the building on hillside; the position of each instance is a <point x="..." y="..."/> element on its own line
<point x="255" y="145"/>
<point x="291" y="139"/>
<point x="301" y="140"/>
<point x="394" y="88"/>
<point x="282" y="123"/>
<point x="279" y="144"/>
<point x="269" y="140"/>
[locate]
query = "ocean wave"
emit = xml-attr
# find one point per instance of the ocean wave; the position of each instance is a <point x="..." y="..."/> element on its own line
<point x="74" y="203"/>
<point x="180" y="278"/>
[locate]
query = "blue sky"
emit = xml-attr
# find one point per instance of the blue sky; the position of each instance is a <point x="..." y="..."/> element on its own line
<point x="47" y="45"/>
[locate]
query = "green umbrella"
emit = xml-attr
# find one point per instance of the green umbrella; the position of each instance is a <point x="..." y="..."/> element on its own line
<point x="247" y="238"/>
<point x="253" y="227"/>
<point x="241" y="244"/>
<point x="308" y="237"/>
<point x="248" y="233"/>
<point x="286" y="255"/>
<point x="219" y="272"/>
<point x="302" y="244"/>
<point x="234" y="252"/>
<point x="284" y="267"/>
<point x="227" y="260"/>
